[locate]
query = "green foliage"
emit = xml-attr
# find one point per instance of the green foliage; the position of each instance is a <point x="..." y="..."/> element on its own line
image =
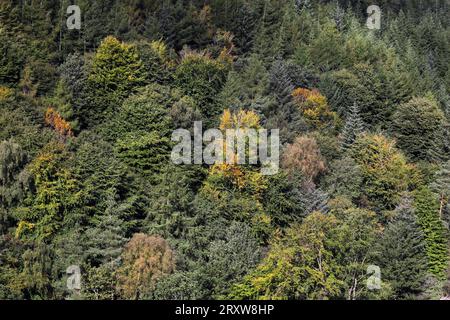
<point x="10" y="61"/>
<point x="171" y="208"/>
<point x="345" y="178"/>
<point x="108" y="199"/>
<point x="326" y="49"/>
<point x="143" y="151"/>
<point x="418" y="126"/>
<point x="115" y="73"/>
<point x="99" y="283"/>
<point x="146" y="111"/>
<point x="385" y="172"/>
<point x="12" y="182"/>
<point x="427" y="211"/>
<point x="402" y="253"/>
<point x="284" y="201"/>
<point x="231" y="258"/>
<point x="178" y="286"/>
<point x="280" y="110"/>
<point x="201" y="77"/>
<point x="354" y="126"/>
<point x="361" y="86"/>
<point x="155" y="60"/>
<point x="104" y="241"/>
<point x="291" y="269"/>
<point x="356" y="237"/>
<point x="55" y="193"/>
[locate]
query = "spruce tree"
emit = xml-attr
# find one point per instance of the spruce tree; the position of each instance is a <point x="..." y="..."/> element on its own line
<point x="316" y="200"/>
<point x="402" y="253"/>
<point x="117" y="71"/>
<point x="354" y="126"/>
<point x="105" y="240"/>
<point x="282" y="113"/>
<point x="267" y="44"/>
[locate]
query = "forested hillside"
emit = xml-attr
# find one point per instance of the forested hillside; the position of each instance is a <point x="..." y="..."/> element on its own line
<point x="86" y="178"/>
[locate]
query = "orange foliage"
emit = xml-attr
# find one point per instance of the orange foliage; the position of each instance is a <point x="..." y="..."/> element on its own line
<point x="304" y="156"/>
<point x="145" y="260"/>
<point x="61" y="126"/>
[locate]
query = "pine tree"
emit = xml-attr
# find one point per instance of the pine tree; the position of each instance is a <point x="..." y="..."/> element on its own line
<point x="301" y="5"/>
<point x="10" y="60"/>
<point x="245" y="28"/>
<point x="154" y="56"/>
<point x="402" y="253"/>
<point x="354" y="126"/>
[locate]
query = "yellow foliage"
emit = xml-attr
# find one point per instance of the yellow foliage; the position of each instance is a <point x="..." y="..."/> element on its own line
<point x="314" y="107"/>
<point x="5" y="93"/>
<point x="240" y="120"/>
<point x="22" y="227"/>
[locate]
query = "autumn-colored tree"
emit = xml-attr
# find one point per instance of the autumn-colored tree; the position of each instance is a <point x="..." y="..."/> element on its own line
<point x="61" y="126"/>
<point x="303" y="156"/>
<point x="236" y="190"/>
<point x="241" y="176"/>
<point x="314" y="107"/>
<point x="145" y="260"/>
<point x="5" y="93"/>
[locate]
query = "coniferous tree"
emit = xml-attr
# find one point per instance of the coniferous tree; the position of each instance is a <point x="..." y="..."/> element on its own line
<point x="12" y="185"/>
<point x="402" y="253"/>
<point x="116" y="72"/>
<point x="441" y="186"/>
<point x="316" y="200"/>
<point x="354" y="126"/>
<point x="427" y="211"/>
<point x="282" y="113"/>
<point x="418" y="126"/>
<point x="105" y="240"/>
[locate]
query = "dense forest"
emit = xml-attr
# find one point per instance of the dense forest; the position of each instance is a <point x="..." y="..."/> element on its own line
<point x="86" y="179"/>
